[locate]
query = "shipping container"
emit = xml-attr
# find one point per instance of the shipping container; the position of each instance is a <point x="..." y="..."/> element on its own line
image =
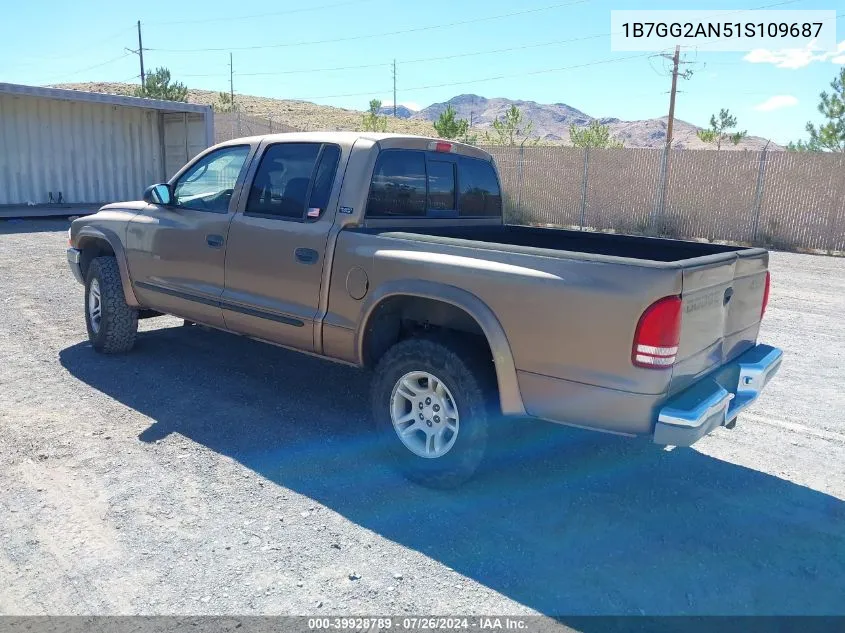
<point x="84" y="148"/>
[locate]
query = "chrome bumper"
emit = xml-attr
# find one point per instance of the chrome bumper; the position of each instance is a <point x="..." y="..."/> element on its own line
<point x="73" y="259"/>
<point x="718" y="399"/>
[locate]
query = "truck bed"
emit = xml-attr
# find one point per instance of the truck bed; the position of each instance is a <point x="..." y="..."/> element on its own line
<point x="567" y="243"/>
<point x="600" y="284"/>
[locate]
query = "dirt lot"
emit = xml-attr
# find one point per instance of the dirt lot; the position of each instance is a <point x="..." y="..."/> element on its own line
<point x="205" y="473"/>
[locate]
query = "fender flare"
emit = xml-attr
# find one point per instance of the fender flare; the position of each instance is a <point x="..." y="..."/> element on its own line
<point x="506" y="377"/>
<point x="88" y="234"/>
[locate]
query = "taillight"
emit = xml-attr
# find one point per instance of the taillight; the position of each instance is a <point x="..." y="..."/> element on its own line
<point x="765" y="295"/>
<point x="441" y="146"/>
<point x="658" y="334"/>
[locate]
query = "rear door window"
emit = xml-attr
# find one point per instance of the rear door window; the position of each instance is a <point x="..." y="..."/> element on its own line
<point x="323" y="181"/>
<point x="282" y="183"/>
<point x="480" y="194"/>
<point x="398" y="188"/>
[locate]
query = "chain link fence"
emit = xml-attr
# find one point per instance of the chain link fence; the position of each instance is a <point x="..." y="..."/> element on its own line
<point x="229" y="125"/>
<point x="784" y="200"/>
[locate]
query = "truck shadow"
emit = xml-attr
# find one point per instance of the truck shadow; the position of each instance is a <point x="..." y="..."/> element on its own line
<point x="564" y="522"/>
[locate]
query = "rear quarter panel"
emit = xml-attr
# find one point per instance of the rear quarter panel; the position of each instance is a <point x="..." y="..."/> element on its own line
<point x="564" y="318"/>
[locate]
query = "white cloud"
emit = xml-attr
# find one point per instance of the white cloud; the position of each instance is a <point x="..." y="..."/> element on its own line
<point x="796" y="57"/>
<point x="776" y="103"/>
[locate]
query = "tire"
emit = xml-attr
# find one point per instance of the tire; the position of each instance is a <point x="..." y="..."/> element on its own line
<point x="114" y="331"/>
<point x="467" y="388"/>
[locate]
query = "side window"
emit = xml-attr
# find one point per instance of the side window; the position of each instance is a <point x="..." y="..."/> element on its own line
<point x="441" y="185"/>
<point x="398" y="187"/>
<point x="323" y="181"/>
<point x="280" y="186"/>
<point x="209" y="183"/>
<point x="480" y="194"/>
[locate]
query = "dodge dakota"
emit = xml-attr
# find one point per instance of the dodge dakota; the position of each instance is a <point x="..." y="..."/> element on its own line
<point x="389" y="252"/>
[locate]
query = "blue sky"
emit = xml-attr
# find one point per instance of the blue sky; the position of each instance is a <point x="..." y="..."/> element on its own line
<point x="52" y="41"/>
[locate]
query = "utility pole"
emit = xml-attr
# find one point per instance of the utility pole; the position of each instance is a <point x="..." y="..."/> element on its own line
<point x="231" y="82"/>
<point x="232" y="93"/>
<point x="660" y="202"/>
<point x="394" y="87"/>
<point x="140" y="54"/>
<point x="675" y="61"/>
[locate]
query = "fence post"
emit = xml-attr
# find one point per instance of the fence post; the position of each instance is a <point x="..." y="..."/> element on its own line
<point x="758" y="193"/>
<point x="835" y="230"/>
<point x="584" y="189"/>
<point x="660" y="195"/>
<point x="519" y="186"/>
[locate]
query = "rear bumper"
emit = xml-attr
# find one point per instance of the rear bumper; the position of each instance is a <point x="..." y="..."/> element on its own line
<point x="73" y="259"/>
<point x="718" y="399"/>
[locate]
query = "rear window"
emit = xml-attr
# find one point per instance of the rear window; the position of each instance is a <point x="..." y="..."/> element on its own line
<point x="417" y="184"/>
<point x="480" y="194"/>
<point x="398" y="187"/>
<point x="441" y="185"/>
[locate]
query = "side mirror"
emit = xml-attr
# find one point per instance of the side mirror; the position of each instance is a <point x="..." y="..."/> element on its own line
<point x="158" y="194"/>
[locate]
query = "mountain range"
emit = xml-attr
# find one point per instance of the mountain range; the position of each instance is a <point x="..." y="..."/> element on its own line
<point x="550" y="121"/>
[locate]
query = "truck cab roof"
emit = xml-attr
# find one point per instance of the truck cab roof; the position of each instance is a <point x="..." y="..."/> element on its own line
<point x="385" y="140"/>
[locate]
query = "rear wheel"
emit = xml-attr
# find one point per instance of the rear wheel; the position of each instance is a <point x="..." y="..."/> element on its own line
<point x="111" y="323"/>
<point x="432" y="403"/>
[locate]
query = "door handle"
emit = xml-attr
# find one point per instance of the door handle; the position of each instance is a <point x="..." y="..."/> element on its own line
<point x="214" y="241"/>
<point x="306" y="255"/>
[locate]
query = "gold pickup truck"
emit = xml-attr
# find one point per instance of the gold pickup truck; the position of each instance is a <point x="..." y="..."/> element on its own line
<point x="389" y="252"/>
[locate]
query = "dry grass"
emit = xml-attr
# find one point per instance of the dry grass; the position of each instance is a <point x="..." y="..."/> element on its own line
<point x="299" y="114"/>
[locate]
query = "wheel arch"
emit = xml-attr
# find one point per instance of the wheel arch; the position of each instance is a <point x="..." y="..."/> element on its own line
<point x="383" y="302"/>
<point x="97" y="242"/>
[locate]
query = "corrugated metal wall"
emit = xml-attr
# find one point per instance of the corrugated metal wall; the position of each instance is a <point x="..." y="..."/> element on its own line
<point x="91" y="152"/>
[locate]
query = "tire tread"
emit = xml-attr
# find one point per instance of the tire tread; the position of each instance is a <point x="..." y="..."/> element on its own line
<point x="119" y="321"/>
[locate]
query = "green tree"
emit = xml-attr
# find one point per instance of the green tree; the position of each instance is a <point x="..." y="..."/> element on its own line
<point x="371" y="121"/>
<point x="803" y="146"/>
<point x="594" y="135"/>
<point x="829" y="136"/>
<point x="718" y="131"/>
<point x="510" y="128"/>
<point x="448" y="126"/>
<point x="157" y="86"/>
<point x="224" y="103"/>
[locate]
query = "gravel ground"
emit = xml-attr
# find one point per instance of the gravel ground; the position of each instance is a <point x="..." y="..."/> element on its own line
<point x="208" y="474"/>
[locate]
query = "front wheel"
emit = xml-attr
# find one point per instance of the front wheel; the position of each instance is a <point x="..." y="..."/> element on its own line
<point x="111" y="323"/>
<point x="431" y="403"/>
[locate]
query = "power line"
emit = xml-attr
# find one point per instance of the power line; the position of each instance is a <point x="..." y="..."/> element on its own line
<point x="40" y="60"/>
<point x="408" y="61"/>
<point x="106" y="63"/>
<point x="482" y="79"/>
<point x="446" y="57"/>
<point x="375" y="35"/>
<point x="260" y="15"/>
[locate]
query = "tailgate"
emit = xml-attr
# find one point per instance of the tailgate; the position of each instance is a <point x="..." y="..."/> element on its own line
<point x="721" y="312"/>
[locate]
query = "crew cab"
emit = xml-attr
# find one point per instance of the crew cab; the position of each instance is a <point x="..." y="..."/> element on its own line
<point x="389" y="252"/>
